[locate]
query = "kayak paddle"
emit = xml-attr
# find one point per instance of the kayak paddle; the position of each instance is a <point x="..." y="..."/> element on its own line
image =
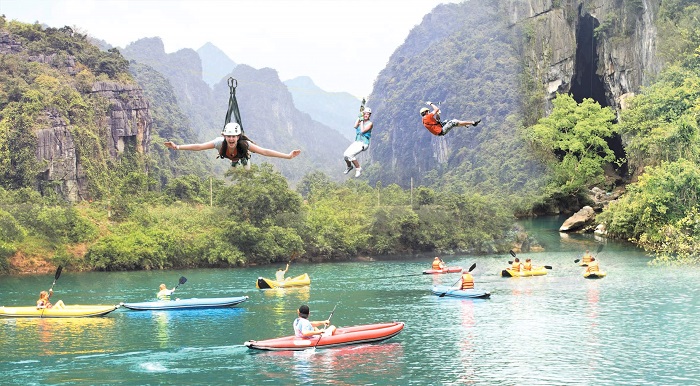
<point x="55" y="277"/>
<point x="183" y="280"/>
<point x="329" y="323"/>
<point x="445" y="293"/>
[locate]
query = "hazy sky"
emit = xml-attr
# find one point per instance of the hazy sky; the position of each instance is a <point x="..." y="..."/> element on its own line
<point x="342" y="45"/>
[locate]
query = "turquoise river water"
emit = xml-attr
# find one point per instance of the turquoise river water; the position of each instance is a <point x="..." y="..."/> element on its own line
<point x="640" y="325"/>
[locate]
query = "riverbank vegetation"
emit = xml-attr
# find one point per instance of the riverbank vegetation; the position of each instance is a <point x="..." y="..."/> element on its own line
<point x="251" y="218"/>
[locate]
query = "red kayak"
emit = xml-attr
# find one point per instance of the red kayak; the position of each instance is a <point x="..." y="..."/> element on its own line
<point x="343" y="336"/>
<point x="444" y="270"/>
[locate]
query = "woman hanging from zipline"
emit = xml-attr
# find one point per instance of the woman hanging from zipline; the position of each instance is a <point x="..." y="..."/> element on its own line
<point x="233" y="144"/>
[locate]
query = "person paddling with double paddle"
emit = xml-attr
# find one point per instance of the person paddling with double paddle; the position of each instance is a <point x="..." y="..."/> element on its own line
<point x="303" y="328"/>
<point x="44" y="302"/>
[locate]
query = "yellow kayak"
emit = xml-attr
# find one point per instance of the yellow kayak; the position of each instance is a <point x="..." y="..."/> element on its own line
<point x="536" y="271"/>
<point x="75" y="311"/>
<point x="594" y="275"/>
<point x="299" y="281"/>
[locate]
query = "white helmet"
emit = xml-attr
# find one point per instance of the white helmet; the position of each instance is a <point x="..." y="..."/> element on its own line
<point x="367" y="110"/>
<point x="232" y="128"/>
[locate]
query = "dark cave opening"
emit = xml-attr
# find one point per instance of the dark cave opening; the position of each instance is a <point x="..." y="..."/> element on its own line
<point x="586" y="83"/>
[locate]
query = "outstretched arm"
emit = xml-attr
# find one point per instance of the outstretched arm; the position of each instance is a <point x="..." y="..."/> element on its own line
<point x="272" y="153"/>
<point x="436" y="110"/>
<point x="192" y="147"/>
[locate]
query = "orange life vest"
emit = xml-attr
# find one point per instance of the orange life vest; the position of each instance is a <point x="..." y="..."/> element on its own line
<point x="516" y="266"/>
<point x="586" y="258"/>
<point x="527" y="266"/>
<point x="432" y="124"/>
<point x="437" y="264"/>
<point x="467" y="281"/>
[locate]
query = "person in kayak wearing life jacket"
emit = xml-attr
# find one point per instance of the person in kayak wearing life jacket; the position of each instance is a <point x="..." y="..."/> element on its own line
<point x="431" y="121"/>
<point x="467" y="281"/>
<point x="363" y="132"/>
<point x="44" y="302"/>
<point x="234" y="145"/>
<point x="586" y="259"/>
<point x="438" y="264"/>
<point x="516" y="265"/>
<point x="593" y="266"/>
<point x="279" y="275"/>
<point x="527" y="266"/>
<point x="164" y="293"/>
<point x="303" y="328"/>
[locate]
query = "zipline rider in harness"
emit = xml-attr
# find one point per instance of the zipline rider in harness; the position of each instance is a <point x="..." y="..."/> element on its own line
<point x="431" y="121"/>
<point x="234" y="146"/>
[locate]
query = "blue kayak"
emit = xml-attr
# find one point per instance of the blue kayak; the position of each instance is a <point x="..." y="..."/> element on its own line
<point x="186" y="304"/>
<point x="465" y="294"/>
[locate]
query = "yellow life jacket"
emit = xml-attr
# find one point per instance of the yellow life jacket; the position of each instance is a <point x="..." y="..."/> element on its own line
<point x="527" y="266"/>
<point x="436" y="264"/>
<point x="467" y="281"/>
<point x="593" y="266"/>
<point x="516" y="266"/>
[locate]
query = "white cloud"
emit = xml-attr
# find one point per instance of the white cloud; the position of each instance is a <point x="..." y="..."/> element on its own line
<point x="342" y="45"/>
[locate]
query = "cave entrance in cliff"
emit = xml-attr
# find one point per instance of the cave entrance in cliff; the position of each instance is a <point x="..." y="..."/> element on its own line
<point x="587" y="84"/>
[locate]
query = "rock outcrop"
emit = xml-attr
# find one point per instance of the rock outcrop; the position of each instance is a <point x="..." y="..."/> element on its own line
<point x="596" y="48"/>
<point x="580" y="221"/>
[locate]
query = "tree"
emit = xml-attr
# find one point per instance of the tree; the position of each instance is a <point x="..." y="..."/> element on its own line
<point x="572" y="142"/>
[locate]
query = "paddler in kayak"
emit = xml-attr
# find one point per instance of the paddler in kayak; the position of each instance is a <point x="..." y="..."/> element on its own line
<point x="279" y="275"/>
<point x="303" y="328"/>
<point x="438" y="264"/>
<point x="527" y="266"/>
<point x="466" y="282"/>
<point x="164" y="293"/>
<point x="516" y="265"/>
<point x="587" y="258"/>
<point x="44" y="302"/>
<point x="593" y="266"/>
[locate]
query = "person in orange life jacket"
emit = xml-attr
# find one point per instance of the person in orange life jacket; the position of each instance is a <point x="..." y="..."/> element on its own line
<point x="363" y="129"/>
<point x="528" y="265"/>
<point x="516" y="265"/>
<point x="438" y="263"/>
<point x="234" y="145"/>
<point x="593" y="266"/>
<point x="44" y="302"/>
<point x="303" y="328"/>
<point x="431" y="121"/>
<point x="586" y="257"/>
<point x="467" y="281"/>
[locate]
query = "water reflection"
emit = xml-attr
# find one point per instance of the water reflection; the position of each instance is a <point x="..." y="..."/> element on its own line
<point x="57" y="336"/>
<point x="162" y="331"/>
<point x="347" y="365"/>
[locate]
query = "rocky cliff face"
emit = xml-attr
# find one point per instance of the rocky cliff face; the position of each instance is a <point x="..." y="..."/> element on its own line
<point x="600" y="49"/>
<point x="126" y="120"/>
